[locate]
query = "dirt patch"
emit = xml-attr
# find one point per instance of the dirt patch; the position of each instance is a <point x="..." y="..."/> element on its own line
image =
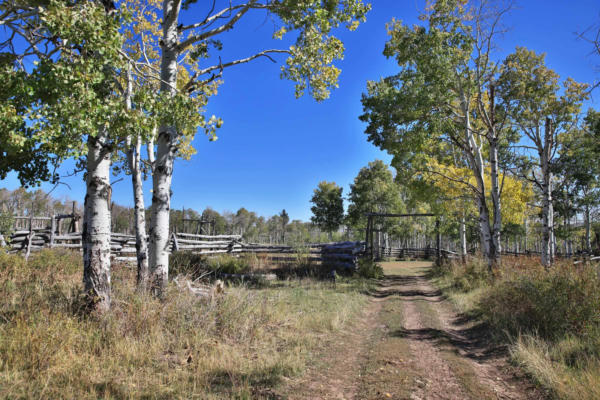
<point x="410" y="344"/>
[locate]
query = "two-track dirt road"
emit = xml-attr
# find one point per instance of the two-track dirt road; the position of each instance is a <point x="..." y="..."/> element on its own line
<point x="411" y="344"/>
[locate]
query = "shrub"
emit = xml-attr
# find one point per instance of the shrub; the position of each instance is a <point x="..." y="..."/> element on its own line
<point x="552" y="304"/>
<point x="228" y="264"/>
<point x="469" y="276"/>
<point x="242" y="342"/>
<point x="194" y="265"/>
<point x="369" y="269"/>
<point x="187" y="263"/>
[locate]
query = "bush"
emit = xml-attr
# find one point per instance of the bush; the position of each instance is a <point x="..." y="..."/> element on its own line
<point x="187" y="263"/>
<point x="194" y="265"/>
<point x="228" y="264"/>
<point x="552" y="304"/>
<point x="469" y="276"/>
<point x="369" y="269"/>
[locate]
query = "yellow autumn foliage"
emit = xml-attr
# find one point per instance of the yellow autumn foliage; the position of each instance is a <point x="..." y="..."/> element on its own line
<point x="457" y="185"/>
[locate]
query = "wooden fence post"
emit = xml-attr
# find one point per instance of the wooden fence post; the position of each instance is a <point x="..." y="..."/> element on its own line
<point x="29" y="237"/>
<point x="52" y="229"/>
<point x="175" y="242"/>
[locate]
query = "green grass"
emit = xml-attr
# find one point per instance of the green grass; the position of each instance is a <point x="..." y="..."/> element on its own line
<point x="551" y="319"/>
<point x="235" y="346"/>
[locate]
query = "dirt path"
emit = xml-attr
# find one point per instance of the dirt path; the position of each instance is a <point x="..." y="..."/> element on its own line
<point x="411" y="344"/>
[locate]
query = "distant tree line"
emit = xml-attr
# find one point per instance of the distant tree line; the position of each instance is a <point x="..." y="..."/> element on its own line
<point x="276" y="229"/>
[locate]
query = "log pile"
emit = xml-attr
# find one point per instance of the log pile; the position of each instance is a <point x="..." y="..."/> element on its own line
<point x="206" y="244"/>
<point x="337" y="255"/>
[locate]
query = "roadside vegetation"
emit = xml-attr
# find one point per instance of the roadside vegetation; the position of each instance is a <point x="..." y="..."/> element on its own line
<point x="550" y="318"/>
<point x="236" y="345"/>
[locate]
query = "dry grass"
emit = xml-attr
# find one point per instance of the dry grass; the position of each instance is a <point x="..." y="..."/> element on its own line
<point x="237" y="346"/>
<point x="545" y="362"/>
<point x="550" y="318"/>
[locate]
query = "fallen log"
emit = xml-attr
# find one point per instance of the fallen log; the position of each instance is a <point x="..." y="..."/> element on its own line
<point x="204" y="291"/>
<point x="236" y="237"/>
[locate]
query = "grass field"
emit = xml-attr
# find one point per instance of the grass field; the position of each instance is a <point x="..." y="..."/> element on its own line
<point x="551" y="319"/>
<point x="238" y="345"/>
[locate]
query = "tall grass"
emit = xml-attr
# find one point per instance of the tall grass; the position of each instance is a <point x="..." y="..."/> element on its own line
<point x="551" y="318"/>
<point x="233" y="346"/>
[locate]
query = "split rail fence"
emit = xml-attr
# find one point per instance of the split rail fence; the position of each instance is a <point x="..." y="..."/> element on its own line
<point x="411" y="252"/>
<point x="341" y="255"/>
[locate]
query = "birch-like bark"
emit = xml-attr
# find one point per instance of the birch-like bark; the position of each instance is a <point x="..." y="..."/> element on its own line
<point x="495" y="188"/>
<point x="96" y="224"/>
<point x="477" y="166"/>
<point x="134" y="160"/>
<point x="547" y="224"/>
<point x="165" y="154"/>
<point x="463" y="240"/>
<point x="494" y="175"/>
<point x="588" y="236"/>
<point x="547" y="206"/>
<point x="141" y="242"/>
<point x="526" y="235"/>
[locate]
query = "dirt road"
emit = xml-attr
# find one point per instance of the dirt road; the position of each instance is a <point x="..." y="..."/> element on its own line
<point x="411" y="344"/>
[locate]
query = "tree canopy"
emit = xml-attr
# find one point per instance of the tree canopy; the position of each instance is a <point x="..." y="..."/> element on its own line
<point x="328" y="206"/>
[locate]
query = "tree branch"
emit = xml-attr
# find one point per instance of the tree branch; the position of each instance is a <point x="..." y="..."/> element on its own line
<point x="223" y="28"/>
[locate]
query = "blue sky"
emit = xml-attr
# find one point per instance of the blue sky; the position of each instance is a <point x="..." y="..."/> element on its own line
<point x="274" y="149"/>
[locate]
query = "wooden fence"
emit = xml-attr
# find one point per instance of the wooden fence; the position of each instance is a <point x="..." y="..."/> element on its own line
<point x="408" y="252"/>
<point x="338" y="255"/>
<point x="122" y="246"/>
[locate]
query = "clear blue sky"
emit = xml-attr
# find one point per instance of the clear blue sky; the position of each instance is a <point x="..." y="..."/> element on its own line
<point x="274" y="149"/>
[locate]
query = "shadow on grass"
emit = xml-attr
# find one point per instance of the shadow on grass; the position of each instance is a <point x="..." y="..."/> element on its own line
<point x="474" y="342"/>
<point x="261" y="382"/>
<point x="392" y="285"/>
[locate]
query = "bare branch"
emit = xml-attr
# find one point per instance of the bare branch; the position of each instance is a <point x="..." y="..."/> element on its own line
<point x="264" y="53"/>
<point x="223" y="28"/>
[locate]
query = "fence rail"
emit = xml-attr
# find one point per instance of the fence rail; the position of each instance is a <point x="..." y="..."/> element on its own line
<point x="412" y="252"/>
<point x="122" y="247"/>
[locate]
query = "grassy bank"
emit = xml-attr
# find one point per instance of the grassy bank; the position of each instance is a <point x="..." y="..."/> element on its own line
<point x="551" y="319"/>
<point x="237" y="346"/>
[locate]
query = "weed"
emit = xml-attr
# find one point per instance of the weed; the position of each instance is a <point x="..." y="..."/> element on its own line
<point x="550" y="318"/>
<point x="179" y="347"/>
<point x="369" y="269"/>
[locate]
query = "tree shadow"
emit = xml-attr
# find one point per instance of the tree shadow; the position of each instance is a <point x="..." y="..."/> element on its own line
<point x="260" y="381"/>
<point x="388" y="287"/>
<point x="434" y="296"/>
<point x="473" y="342"/>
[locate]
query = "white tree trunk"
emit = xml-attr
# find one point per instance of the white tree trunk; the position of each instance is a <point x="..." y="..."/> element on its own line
<point x="96" y="224"/>
<point x="588" y="236"/>
<point x="463" y="239"/>
<point x="495" y="187"/>
<point x="141" y="242"/>
<point x="165" y="154"/>
<point x="547" y="220"/>
<point x="477" y="166"/>
<point x="526" y="235"/>
<point x="159" y="225"/>
<point x="134" y="160"/>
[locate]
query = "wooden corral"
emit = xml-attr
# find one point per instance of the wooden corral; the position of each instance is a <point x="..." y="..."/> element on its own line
<point x="337" y="255"/>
